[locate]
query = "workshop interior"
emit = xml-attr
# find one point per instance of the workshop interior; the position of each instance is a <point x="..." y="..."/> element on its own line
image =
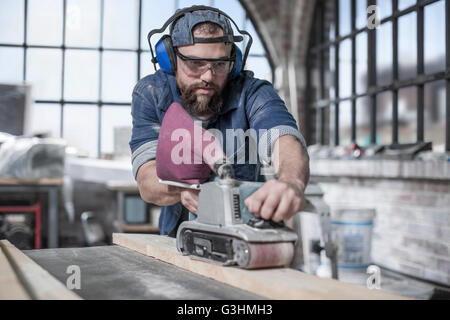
<point x="368" y="84"/>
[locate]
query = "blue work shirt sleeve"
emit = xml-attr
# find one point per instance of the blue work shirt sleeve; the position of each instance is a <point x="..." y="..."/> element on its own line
<point x="268" y="115"/>
<point x="146" y="126"/>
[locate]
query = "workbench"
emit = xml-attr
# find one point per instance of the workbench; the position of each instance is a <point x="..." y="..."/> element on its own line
<point x="43" y="186"/>
<point x="114" y="272"/>
<point x="144" y="266"/>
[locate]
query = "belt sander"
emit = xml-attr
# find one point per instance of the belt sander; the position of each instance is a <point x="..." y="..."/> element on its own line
<point x="226" y="233"/>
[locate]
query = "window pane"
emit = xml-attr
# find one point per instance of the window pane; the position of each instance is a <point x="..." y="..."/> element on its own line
<point x="407" y="46"/>
<point x="361" y="63"/>
<point x="11" y="64"/>
<point x="344" y="17"/>
<point x="81" y="75"/>
<point x="384" y="118"/>
<point x="327" y="139"/>
<point x="46" y="118"/>
<point x="114" y="117"/>
<point x="332" y="72"/>
<point x="257" y="46"/>
<point x="81" y="128"/>
<point x="363" y="121"/>
<point x="384" y="54"/>
<point x="119" y="75"/>
<point x="314" y="81"/>
<point x="146" y="64"/>
<point x="435" y="37"/>
<point x="332" y="31"/>
<point x="234" y="9"/>
<point x="345" y="123"/>
<point x="435" y="114"/>
<point x="332" y="124"/>
<point x="44" y="72"/>
<point x="384" y="8"/>
<point x="83" y="23"/>
<point x="328" y="75"/>
<point x="345" y="69"/>
<point x="403" y="4"/>
<point x="361" y="14"/>
<point x="407" y="115"/>
<point x="189" y="3"/>
<point x="11" y="21"/>
<point x="153" y="17"/>
<point x="260" y="66"/>
<point x="121" y="24"/>
<point x="45" y="18"/>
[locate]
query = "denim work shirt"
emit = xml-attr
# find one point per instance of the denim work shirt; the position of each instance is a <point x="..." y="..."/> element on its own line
<point x="248" y="103"/>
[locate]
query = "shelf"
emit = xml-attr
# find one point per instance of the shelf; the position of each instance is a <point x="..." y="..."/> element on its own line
<point x="392" y="169"/>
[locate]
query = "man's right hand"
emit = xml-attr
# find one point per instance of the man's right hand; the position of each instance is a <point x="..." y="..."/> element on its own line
<point x="189" y="199"/>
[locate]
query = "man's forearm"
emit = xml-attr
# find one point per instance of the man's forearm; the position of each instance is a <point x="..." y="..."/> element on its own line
<point x="151" y="190"/>
<point x="279" y="199"/>
<point x="290" y="161"/>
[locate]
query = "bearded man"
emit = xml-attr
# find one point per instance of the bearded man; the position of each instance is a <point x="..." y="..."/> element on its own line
<point x="202" y="82"/>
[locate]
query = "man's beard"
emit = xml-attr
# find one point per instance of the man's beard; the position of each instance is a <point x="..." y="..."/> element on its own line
<point x="201" y="105"/>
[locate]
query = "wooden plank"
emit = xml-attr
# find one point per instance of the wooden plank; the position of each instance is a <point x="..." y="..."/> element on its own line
<point x="139" y="228"/>
<point x="121" y="186"/>
<point x="38" y="282"/>
<point x="276" y="283"/>
<point x="39" y="182"/>
<point x="10" y="286"/>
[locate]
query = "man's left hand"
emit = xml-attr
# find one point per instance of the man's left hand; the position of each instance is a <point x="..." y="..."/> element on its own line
<point x="277" y="200"/>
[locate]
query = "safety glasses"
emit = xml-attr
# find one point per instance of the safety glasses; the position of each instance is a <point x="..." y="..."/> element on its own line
<point x="195" y="67"/>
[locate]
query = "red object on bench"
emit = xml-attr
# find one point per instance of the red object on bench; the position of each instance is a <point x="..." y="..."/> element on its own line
<point x="36" y="209"/>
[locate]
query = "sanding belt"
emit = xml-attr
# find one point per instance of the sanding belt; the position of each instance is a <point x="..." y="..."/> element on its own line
<point x="263" y="255"/>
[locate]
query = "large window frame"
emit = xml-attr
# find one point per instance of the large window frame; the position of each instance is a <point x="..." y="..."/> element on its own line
<point x="320" y="45"/>
<point x="101" y="49"/>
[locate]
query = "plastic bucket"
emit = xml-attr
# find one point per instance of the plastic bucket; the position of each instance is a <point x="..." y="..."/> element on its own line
<point x="352" y="233"/>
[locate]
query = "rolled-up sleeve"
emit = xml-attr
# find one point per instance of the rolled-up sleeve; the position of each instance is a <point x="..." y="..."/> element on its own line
<point x="145" y="132"/>
<point x="267" y="113"/>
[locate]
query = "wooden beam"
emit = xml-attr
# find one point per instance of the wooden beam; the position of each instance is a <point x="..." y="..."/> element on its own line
<point x="276" y="283"/>
<point x="10" y="286"/>
<point x="38" y="182"/>
<point x="140" y="228"/>
<point x="38" y="282"/>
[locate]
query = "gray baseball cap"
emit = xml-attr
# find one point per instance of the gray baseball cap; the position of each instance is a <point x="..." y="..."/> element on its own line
<point x="181" y="30"/>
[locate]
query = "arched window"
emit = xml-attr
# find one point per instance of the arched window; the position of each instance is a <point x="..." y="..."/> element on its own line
<point x="84" y="57"/>
<point x="383" y="83"/>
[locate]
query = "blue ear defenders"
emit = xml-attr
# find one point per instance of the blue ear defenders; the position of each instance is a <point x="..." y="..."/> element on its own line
<point x="165" y="53"/>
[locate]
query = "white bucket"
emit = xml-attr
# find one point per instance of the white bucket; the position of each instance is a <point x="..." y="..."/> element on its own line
<point x="352" y="233"/>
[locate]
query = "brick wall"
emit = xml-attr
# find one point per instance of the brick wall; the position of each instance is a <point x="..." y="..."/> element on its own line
<point x="412" y="226"/>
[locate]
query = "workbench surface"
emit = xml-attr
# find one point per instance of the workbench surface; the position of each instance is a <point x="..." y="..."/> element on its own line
<point x="113" y="272"/>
